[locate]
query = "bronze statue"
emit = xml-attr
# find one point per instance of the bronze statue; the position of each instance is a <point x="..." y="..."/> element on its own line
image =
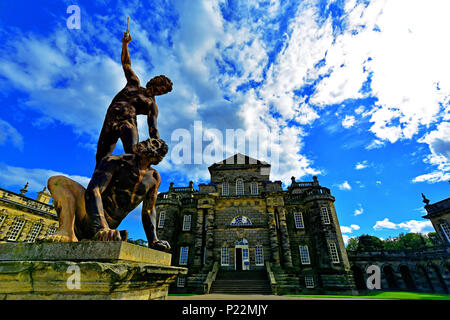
<point x="120" y="182"/>
<point x="118" y="185"/>
<point x="120" y="121"/>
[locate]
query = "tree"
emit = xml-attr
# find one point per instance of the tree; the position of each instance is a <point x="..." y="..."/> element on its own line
<point x="352" y="244"/>
<point x="139" y="242"/>
<point x="369" y="243"/>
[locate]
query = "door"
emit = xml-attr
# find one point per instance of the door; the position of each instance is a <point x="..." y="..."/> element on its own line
<point x="238" y="255"/>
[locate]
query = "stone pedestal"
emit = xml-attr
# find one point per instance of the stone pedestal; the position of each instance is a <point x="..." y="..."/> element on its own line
<point x="84" y="270"/>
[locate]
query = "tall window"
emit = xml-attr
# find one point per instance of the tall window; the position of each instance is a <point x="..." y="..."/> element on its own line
<point x="259" y="256"/>
<point x="34" y="232"/>
<point x="254" y="188"/>
<point x="225" y="189"/>
<point x="446" y="230"/>
<point x="333" y="252"/>
<point x="239" y="187"/>
<point x="309" y="282"/>
<point x="2" y="218"/>
<point x="225" y="259"/>
<point x="51" y="231"/>
<point x="304" y="255"/>
<point x="184" y="255"/>
<point x="16" y="229"/>
<point x="162" y="218"/>
<point x="324" y="214"/>
<point x="187" y="223"/>
<point x="181" y="281"/>
<point x="298" y="217"/>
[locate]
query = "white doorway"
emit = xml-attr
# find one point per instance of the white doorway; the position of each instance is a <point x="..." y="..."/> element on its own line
<point x="241" y="256"/>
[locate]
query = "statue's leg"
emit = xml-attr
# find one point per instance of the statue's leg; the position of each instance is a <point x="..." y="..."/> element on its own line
<point x="129" y="135"/>
<point x="65" y="193"/>
<point x="106" y="143"/>
<point x="149" y="217"/>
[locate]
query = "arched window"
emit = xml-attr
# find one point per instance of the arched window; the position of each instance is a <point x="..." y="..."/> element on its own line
<point x="241" y="221"/>
<point x="239" y="187"/>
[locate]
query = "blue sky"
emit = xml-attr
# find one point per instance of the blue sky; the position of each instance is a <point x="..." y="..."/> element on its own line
<point x="357" y="92"/>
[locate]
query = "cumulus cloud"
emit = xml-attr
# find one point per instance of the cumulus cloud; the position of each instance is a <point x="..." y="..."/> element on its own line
<point x="344" y="186"/>
<point x="411" y="225"/>
<point x="361" y="165"/>
<point x="37" y="178"/>
<point x="348" y="121"/>
<point x="359" y="211"/>
<point x="350" y="229"/>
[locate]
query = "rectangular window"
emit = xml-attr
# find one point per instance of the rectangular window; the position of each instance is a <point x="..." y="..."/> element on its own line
<point x="187" y="223"/>
<point x="304" y="255"/>
<point x="34" y="232"/>
<point x="333" y="252"/>
<point x="309" y="282"/>
<point x="298" y="217"/>
<point x="162" y="217"/>
<point x="51" y="230"/>
<point x="446" y="230"/>
<point x="16" y="229"/>
<point x="204" y="256"/>
<point x="254" y="188"/>
<point x="325" y="215"/>
<point x="181" y="282"/>
<point x="184" y="255"/>
<point x="259" y="256"/>
<point x="239" y="187"/>
<point x="225" y="259"/>
<point x="225" y="189"/>
<point x="2" y="218"/>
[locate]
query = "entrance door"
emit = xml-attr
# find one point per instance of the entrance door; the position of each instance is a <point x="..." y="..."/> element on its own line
<point x="238" y="253"/>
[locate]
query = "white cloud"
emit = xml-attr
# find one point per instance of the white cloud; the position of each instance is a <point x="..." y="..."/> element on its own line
<point x="375" y="144"/>
<point x="37" y="178"/>
<point x="361" y="165"/>
<point x="348" y="122"/>
<point x="350" y="229"/>
<point x="359" y="211"/>
<point x="344" y="186"/>
<point x="9" y="133"/>
<point x="411" y="225"/>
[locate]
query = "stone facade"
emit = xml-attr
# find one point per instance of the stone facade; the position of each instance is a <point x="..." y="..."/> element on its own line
<point x="244" y="221"/>
<point x="23" y="219"/>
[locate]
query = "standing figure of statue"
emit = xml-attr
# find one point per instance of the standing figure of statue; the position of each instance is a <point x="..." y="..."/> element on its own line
<point x="120" y="121"/>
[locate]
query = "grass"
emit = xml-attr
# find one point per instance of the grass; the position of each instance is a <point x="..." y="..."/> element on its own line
<point x="388" y="295"/>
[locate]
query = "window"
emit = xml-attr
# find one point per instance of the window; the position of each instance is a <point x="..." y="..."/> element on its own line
<point x="298" y="217"/>
<point x="225" y="259"/>
<point x="2" y="218"/>
<point x="34" y="232"/>
<point x="259" y="256"/>
<point x="333" y="252"/>
<point x="324" y="214"/>
<point x="181" y="281"/>
<point x="446" y="230"/>
<point x="16" y="229"/>
<point x="239" y="187"/>
<point x="241" y="221"/>
<point x="51" y="230"/>
<point x="204" y="256"/>
<point x="245" y="253"/>
<point x="304" y="255"/>
<point x="184" y="255"/>
<point x="254" y="188"/>
<point x="309" y="282"/>
<point x="225" y="189"/>
<point x="187" y="223"/>
<point x="162" y="217"/>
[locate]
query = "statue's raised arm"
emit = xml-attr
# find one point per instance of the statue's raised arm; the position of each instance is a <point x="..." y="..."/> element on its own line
<point x="132" y="78"/>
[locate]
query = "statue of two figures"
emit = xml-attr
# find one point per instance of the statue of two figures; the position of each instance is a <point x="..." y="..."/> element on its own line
<point x="120" y="182"/>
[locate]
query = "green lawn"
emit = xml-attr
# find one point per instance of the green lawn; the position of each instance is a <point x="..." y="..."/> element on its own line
<point x="388" y="295"/>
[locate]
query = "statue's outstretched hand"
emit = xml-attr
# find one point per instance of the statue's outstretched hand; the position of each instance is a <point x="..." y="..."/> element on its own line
<point x="126" y="38"/>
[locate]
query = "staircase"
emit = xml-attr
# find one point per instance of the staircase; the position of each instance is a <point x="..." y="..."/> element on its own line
<point x="287" y="283"/>
<point x="241" y="282"/>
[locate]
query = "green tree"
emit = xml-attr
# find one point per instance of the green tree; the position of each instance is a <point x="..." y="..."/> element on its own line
<point x="369" y="243"/>
<point x="352" y="244"/>
<point x="139" y="242"/>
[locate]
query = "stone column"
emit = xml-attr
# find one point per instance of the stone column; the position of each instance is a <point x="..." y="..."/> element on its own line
<point x="285" y="245"/>
<point x="198" y="239"/>
<point x="273" y="236"/>
<point x="209" y="237"/>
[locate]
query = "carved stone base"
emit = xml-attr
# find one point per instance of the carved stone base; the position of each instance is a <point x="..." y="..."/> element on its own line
<point x="84" y="270"/>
